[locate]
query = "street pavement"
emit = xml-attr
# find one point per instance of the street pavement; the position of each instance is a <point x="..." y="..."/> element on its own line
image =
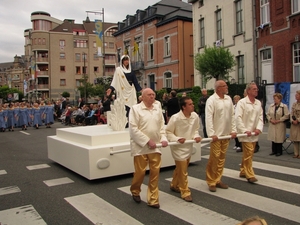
<point x="36" y="190"/>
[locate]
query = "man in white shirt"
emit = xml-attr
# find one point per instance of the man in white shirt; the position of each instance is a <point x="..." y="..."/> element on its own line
<point x="249" y="118"/>
<point x="146" y="129"/>
<point x="219" y="121"/>
<point x="183" y="126"/>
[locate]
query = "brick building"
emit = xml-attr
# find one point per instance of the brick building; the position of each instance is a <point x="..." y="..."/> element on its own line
<point x="278" y="43"/>
<point x="159" y="42"/>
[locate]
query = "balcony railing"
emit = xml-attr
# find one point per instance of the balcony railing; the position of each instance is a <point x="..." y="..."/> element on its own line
<point x="42" y="59"/>
<point x="137" y="65"/>
<point x="42" y="72"/>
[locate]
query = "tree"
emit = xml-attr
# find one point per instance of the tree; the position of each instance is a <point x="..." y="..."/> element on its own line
<point x="215" y="62"/>
<point x="65" y="94"/>
<point x="5" y="90"/>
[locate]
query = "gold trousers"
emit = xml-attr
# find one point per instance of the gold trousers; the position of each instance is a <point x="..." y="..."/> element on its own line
<point x="246" y="166"/>
<point x="140" y="165"/>
<point x="180" y="177"/>
<point x="216" y="161"/>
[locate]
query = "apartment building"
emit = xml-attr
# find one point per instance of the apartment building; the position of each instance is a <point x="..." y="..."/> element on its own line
<point x="62" y="53"/>
<point x="229" y="24"/>
<point x="159" y="41"/>
<point x="278" y="41"/>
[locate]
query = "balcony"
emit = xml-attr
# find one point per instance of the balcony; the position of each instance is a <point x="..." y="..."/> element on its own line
<point x="42" y="59"/>
<point x="43" y="86"/>
<point x="42" y="73"/>
<point x="137" y="65"/>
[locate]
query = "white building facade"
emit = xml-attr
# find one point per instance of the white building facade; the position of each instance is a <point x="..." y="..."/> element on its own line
<point x="229" y="24"/>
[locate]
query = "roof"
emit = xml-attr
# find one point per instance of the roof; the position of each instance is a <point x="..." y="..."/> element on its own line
<point x="69" y="25"/>
<point x="165" y="11"/>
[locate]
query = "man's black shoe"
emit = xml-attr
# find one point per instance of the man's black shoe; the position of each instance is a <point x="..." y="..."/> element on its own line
<point x="136" y="198"/>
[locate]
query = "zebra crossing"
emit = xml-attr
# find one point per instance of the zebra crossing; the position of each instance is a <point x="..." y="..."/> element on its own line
<point x="100" y="211"/>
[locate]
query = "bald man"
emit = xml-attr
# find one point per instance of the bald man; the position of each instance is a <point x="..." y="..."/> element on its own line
<point x="220" y="121"/>
<point x="146" y="129"/>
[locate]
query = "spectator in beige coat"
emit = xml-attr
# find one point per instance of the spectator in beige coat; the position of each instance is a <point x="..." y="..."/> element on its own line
<point x="276" y="115"/>
<point x="295" y="127"/>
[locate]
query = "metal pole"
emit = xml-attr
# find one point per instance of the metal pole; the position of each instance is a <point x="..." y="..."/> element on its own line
<point x="84" y="76"/>
<point x="103" y="42"/>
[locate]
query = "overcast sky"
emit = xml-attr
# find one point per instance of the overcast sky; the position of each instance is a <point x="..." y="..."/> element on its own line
<point x="15" y="17"/>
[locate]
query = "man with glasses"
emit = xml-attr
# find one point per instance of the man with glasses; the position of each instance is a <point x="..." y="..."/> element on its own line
<point x="249" y="118"/>
<point x="219" y="121"/>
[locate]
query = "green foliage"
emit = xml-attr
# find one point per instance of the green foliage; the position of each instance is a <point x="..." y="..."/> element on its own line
<point x="236" y="89"/>
<point x="215" y="62"/>
<point x="65" y="94"/>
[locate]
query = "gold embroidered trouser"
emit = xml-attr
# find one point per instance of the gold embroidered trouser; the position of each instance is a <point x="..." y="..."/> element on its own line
<point x="246" y="166"/>
<point x="216" y="161"/>
<point x="180" y="177"/>
<point x="140" y="165"/>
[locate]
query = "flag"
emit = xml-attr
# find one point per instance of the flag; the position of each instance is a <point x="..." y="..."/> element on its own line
<point x="261" y="26"/>
<point x="99" y="36"/>
<point x="126" y="50"/>
<point x="135" y="48"/>
<point x="25" y="87"/>
<point x="218" y="43"/>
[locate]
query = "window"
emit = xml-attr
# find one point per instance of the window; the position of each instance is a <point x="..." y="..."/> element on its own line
<point x="62" y="43"/>
<point x="296" y="61"/>
<point x="240" y="65"/>
<point x="84" y="70"/>
<point x="202" y="33"/>
<point x="96" y="57"/>
<point x="78" y="71"/>
<point x="96" y="69"/>
<point x="201" y="3"/>
<point x="266" y="55"/>
<point x="84" y="57"/>
<point x="78" y="83"/>
<point x="41" y="25"/>
<point x="62" y="69"/>
<point x="111" y="45"/>
<point x="150" y="49"/>
<point x="77" y="57"/>
<point x="43" y="41"/>
<point x="167" y="46"/>
<point x="295" y="6"/>
<point x="168" y="80"/>
<point x="239" y="17"/>
<point x="62" y="82"/>
<point x="80" y="43"/>
<point x="62" y="55"/>
<point x="219" y="24"/>
<point x="264" y="11"/>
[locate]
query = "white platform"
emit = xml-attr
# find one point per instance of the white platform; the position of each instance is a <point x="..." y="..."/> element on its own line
<point x="92" y="151"/>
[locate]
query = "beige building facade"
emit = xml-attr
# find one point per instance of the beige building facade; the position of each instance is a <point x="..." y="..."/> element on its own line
<point x="61" y="54"/>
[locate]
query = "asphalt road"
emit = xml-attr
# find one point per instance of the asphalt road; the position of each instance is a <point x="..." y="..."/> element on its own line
<point x="23" y="187"/>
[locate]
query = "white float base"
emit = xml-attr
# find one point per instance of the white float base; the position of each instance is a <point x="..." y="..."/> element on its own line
<point x="87" y="151"/>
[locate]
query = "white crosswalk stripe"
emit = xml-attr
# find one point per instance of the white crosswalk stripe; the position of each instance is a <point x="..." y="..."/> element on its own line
<point x="187" y="211"/>
<point x="100" y="211"/>
<point x="21" y="215"/>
